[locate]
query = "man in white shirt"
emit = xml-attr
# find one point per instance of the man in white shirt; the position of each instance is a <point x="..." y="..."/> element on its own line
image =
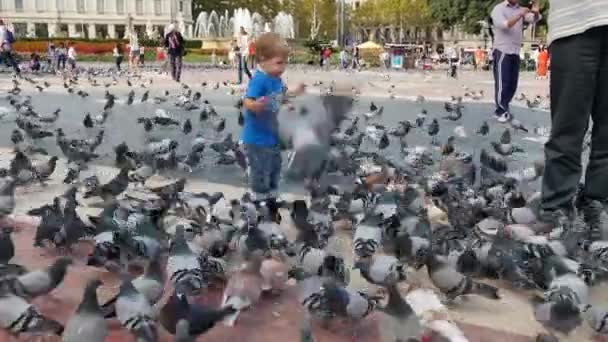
<point x="578" y="38"/>
<point x="508" y="18"/>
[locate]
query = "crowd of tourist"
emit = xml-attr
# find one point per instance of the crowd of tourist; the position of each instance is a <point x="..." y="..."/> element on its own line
<point x="63" y="56"/>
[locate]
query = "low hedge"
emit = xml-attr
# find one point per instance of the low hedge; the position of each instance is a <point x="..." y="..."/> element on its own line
<point x="88" y="46"/>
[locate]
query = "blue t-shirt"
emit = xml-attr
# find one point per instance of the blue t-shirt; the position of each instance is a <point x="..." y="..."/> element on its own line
<point x="262" y="129"/>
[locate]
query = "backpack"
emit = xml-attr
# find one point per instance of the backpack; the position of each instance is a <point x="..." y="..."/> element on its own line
<point x="10" y="37"/>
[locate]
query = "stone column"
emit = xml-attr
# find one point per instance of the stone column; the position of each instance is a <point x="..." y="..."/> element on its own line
<point x="111" y="31"/>
<point x="52" y="29"/>
<point x="30" y="29"/>
<point x="71" y="30"/>
<point x="91" y="31"/>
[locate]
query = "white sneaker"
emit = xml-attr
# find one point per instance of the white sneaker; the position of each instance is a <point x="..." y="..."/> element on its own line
<point x="504" y="117"/>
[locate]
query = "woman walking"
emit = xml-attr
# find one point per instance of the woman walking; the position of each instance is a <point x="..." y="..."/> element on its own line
<point x="174" y="42"/>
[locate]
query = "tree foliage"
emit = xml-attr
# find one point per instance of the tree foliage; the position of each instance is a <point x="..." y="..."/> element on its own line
<point x="320" y="15"/>
<point x="397" y="13"/>
<point x="468" y="13"/>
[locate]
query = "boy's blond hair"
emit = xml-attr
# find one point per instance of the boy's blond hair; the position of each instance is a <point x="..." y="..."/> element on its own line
<point x="270" y="45"/>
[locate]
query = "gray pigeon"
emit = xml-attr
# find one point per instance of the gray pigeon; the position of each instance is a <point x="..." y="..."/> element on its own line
<point x="37" y="283"/>
<point x="18" y="316"/>
<point x="182" y="332"/>
<point x="135" y="312"/>
<point x="347" y="303"/>
<point x="454" y="284"/>
<point x="7" y="195"/>
<point x="183" y="266"/>
<point x="404" y="321"/>
<point x="596" y="317"/>
<point x="150" y="285"/>
<point x="381" y="269"/>
<point x="88" y="323"/>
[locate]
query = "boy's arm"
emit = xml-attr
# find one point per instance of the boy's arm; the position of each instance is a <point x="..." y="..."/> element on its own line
<point x="254" y="100"/>
<point x="299" y="90"/>
<point x="253" y="105"/>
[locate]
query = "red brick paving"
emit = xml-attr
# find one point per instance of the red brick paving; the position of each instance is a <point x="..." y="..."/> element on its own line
<point x="274" y="318"/>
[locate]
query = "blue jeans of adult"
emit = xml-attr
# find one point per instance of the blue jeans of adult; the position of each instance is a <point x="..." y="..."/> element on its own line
<point x="10" y="60"/>
<point x="176" y="66"/>
<point x="243" y="68"/>
<point x="579" y="84"/>
<point x="506" y="77"/>
<point x="264" y="170"/>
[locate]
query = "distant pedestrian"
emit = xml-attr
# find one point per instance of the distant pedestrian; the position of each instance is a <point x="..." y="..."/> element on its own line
<point x="117" y="53"/>
<point x="356" y="57"/>
<point x="161" y="57"/>
<point x="343" y="59"/>
<point x="72" y="56"/>
<point x="7" y="39"/>
<point x="542" y="63"/>
<point x="326" y="56"/>
<point x="133" y="52"/>
<point x="50" y="58"/>
<point x="174" y="42"/>
<point x="243" y="43"/>
<point x="34" y="62"/>
<point x="508" y="18"/>
<point x="62" y="56"/>
<point x="252" y="53"/>
<point x="142" y="55"/>
<point x="480" y="57"/>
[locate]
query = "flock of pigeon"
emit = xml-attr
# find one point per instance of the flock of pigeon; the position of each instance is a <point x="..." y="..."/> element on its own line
<point x="189" y="240"/>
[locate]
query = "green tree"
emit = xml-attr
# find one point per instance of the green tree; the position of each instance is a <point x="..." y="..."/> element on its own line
<point x="315" y="19"/>
<point x="448" y="13"/>
<point x="397" y="15"/>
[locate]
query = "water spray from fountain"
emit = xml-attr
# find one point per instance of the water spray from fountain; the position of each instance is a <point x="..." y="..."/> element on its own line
<point x="213" y="25"/>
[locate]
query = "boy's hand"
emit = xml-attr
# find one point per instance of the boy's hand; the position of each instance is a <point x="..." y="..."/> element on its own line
<point x="300" y="89"/>
<point x="256" y="106"/>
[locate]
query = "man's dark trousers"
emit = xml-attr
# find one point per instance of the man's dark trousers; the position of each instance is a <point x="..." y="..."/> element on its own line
<point x="506" y="76"/>
<point x="579" y="91"/>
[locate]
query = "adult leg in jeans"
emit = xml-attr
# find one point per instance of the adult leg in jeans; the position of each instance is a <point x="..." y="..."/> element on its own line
<point x="178" y="68"/>
<point x="245" y="67"/>
<point x="173" y="58"/>
<point x="596" y="187"/>
<point x="239" y="63"/>
<point x="574" y="81"/>
<point x="12" y="61"/>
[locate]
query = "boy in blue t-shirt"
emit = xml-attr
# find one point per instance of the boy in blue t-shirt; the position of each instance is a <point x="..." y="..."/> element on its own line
<point x="260" y="129"/>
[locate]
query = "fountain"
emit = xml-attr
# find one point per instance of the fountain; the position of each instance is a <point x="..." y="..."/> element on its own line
<point x="215" y="26"/>
<point x="283" y="25"/>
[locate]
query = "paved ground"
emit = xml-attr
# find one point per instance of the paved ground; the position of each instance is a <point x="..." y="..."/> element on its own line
<point x="510" y="319"/>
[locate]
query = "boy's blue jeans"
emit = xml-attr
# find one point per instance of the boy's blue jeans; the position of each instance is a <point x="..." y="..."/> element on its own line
<point x="264" y="170"/>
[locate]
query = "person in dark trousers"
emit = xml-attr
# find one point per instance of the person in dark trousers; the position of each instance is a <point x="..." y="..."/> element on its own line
<point x="578" y="39"/>
<point x="62" y="56"/>
<point x="508" y="18"/>
<point x="174" y="42"/>
<point x="7" y="39"/>
<point x="117" y="53"/>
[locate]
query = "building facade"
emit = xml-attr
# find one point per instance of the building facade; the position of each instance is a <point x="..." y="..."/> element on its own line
<point x="95" y="19"/>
